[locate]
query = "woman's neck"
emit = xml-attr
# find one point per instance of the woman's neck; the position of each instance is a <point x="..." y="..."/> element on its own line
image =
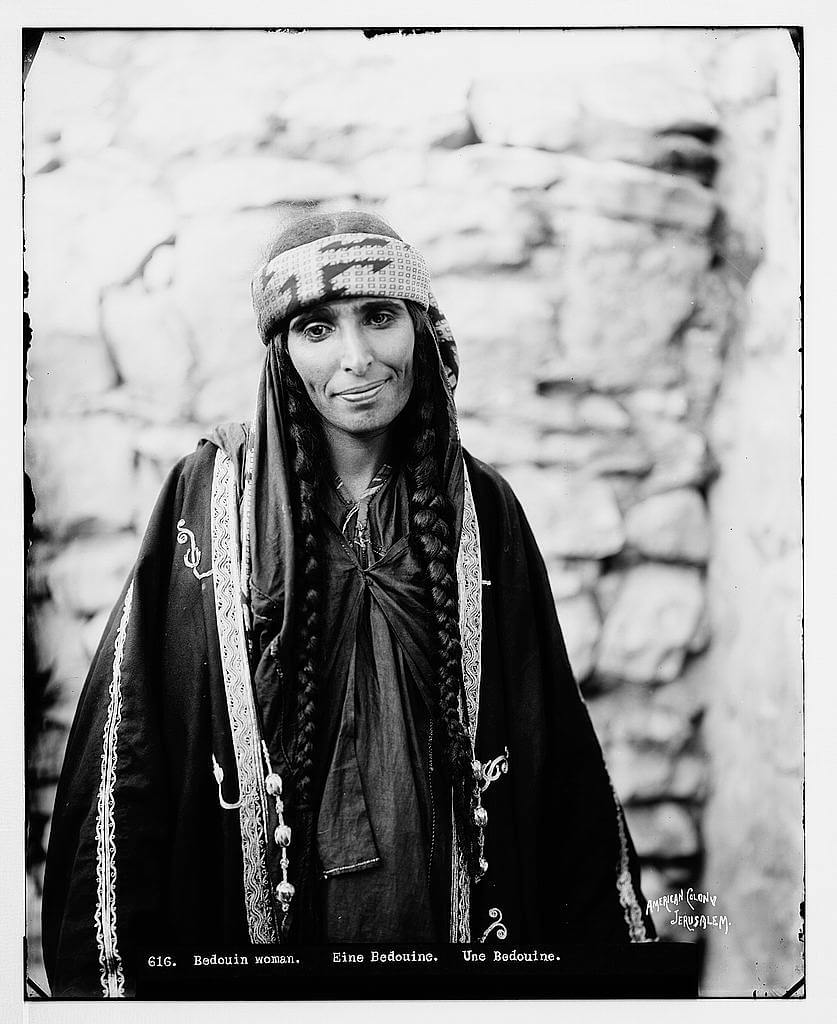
<point x="356" y="459"/>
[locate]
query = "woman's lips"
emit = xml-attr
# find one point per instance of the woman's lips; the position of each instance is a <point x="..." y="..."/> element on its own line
<point x="363" y="392"/>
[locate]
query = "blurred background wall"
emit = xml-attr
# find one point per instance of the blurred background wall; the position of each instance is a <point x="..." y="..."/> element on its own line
<point x="611" y="219"/>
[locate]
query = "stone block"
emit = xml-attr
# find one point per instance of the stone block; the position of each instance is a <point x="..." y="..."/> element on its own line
<point x="645" y="774"/>
<point x="670" y="527"/>
<point x="381" y="174"/>
<point x="249" y="182"/>
<point x="48" y="755"/>
<point x="681" y="457"/>
<point x="366" y="107"/>
<point x="611" y="188"/>
<point x="215" y="258"/>
<point x="167" y="443"/>
<point x="646" y="405"/>
<point x="654" y="617"/>
<point x="504" y="329"/>
<point x="86" y="577"/>
<point x="158" y="270"/>
<point x="598" y="412"/>
<point x="656" y="96"/>
<point x="62" y="90"/>
<point x="499" y="444"/>
<point x="639" y="775"/>
<point x="60" y="654"/>
<point x="92" y="632"/>
<point x="231" y="396"/>
<point x="614" y="333"/>
<point x="663" y="831"/>
<point x="581" y="626"/>
<point x="148" y="340"/>
<point x="571" y="517"/>
<point x="82" y="474"/>
<point x="504" y="112"/>
<point x="88" y="225"/>
<point x="464" y="228"/>
<point x="508" y="167"/>
<point x="64" y="372"/>
<point x="190" y="92"/>
<point x="622" y="718"/>
<point x="568" y="577"/>
<point x="597" y="454"/>
<point x="672" y="153"/>
<point x="703" y="350"/>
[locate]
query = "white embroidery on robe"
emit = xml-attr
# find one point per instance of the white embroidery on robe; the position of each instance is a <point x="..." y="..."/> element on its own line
<point x="192" y="558"/>
<point x="111" y="973"/>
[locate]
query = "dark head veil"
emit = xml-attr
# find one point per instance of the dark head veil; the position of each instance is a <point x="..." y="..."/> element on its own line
<point x="319" y="258"/>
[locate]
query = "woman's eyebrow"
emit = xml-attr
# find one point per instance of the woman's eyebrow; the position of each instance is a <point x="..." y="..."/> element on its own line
<point x="379" y="303"/>
<point x="314" y="313"/>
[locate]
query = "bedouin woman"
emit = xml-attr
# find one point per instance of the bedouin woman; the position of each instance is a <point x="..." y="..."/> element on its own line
<point x="333" y="703"/>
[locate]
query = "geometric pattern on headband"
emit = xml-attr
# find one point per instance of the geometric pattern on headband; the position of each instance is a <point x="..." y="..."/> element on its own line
<point x="337" y="266"/>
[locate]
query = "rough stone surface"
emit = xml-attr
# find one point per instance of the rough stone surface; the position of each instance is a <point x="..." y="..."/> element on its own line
<point x="641" y="721"/>
<point x="663" y="830"/>
<point x="581" y="626"/>
<point x="606" y="340"/>
<point x="104" y="235"/>
<point x="568" y="577"/>
<point x="248" y="182"/>
<point x="351" y="105"/>
<point x="64" y="372"/>
<point x="753" y="668"/>
<point x="503" y="114"/>
<point x="83" y="486"/>
<point x="510" y="167"/>
<point x="232" y="397"/>
<point x="647" y="631"/>
<point x="646" y="775"/>
<point x="459" y="229"/>
<point x="680" y="456"/>
<point x="616" y="189"/>
<point x="216" y="306"/>
<point x="495" y="318"/>
<point x="149" y="344"/>
<point x="87" y="575"/>
<point x="671" y="527"/>
<point x="570" y="516"/>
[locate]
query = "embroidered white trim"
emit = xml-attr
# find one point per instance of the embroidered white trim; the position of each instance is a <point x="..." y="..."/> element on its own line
<point x="192" y="558"/>
<point x="490" y="771"/>
<point x="240" y="704"/>
<point x="111" y="973"/>
<point x="469" y="576"/>
<point x="496" y="916"/>
<point x="631" y="909"/>
<point x="351" y="867"/>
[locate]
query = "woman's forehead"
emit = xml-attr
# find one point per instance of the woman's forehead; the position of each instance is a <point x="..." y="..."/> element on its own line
<point x="338" y="307"/>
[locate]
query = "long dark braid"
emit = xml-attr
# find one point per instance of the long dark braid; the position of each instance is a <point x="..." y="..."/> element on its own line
<point x="431" y="539"/>
<point x="431" y="534"/>
<point x="306" y="444"/>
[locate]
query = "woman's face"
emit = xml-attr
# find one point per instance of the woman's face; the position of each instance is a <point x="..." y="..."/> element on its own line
<point x="355" y="359"/>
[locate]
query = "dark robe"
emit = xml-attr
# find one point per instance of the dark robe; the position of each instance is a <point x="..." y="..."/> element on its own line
<point x="142" y="855"/>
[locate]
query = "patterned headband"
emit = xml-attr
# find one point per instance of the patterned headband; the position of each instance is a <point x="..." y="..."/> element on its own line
<point x="337" y="267"/>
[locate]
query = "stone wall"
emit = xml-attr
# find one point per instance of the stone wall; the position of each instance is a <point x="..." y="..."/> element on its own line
<point x="584" y="204"/>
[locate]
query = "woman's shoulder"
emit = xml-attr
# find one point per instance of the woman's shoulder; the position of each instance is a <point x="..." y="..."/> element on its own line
<point x="197" y="465"/>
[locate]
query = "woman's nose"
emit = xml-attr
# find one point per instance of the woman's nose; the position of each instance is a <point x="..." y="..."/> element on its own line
<point x="356" y="356"/>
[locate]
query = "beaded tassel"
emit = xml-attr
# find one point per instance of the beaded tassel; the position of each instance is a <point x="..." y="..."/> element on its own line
<point x="481" y="819"/>
<point x="284" y="891"/>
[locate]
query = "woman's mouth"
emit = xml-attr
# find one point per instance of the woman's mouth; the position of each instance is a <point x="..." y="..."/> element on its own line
<point x="362" y="393"/>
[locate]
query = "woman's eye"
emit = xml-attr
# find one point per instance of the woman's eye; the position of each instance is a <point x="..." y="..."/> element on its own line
<point x="316" y="332"/>
<point x="380" y="318"/>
